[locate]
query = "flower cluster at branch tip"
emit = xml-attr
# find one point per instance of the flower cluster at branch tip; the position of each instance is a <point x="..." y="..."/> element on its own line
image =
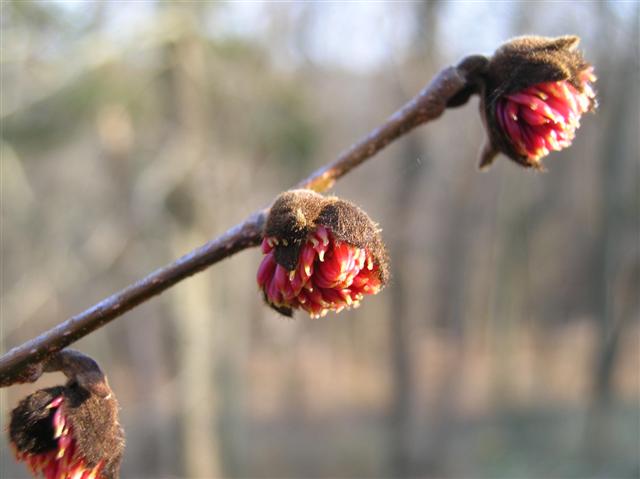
<point x="534" y="91"/>
<point x="62" y="459"/>
<point x="545" y="116"/>
<point x="321" y="254"/>
<point x="68" y="432"/>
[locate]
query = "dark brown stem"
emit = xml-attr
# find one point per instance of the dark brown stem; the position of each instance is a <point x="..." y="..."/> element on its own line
<point x="20" y="364"/>
<point x="79" y="368"/>
<point x="427" y="105"/>
<point x="76" y="366"/>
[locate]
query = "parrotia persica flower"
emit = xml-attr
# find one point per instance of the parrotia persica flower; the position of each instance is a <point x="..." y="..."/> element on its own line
<point x="321" y="254"/>
<point x="534" y="91"/>
<point x="68" y="432"/>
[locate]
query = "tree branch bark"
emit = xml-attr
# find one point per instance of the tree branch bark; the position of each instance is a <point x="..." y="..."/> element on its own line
<point x="21" y="364"/>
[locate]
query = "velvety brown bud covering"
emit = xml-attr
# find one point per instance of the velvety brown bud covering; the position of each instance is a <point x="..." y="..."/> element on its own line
<point x="67" y="431"/>
<point x="525" y="61"/>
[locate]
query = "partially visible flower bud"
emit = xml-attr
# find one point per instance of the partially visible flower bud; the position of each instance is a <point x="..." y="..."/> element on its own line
<point x="69" y="432"/>
<point x="534" y="91"/>
<point x="321" y="254"/>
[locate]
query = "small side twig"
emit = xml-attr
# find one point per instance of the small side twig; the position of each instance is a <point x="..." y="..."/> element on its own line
<point x="20" y="364"/>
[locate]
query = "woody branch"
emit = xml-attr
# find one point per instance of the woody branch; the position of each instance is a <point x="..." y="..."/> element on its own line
<point x="23" y="363"/>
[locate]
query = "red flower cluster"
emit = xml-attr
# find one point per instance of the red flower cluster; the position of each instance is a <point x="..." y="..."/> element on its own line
<point x="70" y="431"/>
<point x="545" y="116"/>
<point x="63" y="460"/>
<point x="330" y="275"/>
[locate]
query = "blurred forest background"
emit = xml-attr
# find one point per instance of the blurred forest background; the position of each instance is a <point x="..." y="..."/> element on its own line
<point x="507" y="344"/>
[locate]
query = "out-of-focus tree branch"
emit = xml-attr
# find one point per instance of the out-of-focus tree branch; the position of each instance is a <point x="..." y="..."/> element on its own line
<point x="20" y="364"/>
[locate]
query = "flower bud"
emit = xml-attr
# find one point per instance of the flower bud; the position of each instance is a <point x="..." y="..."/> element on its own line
<point x="321" y="254"/>
<point x="69" y="432"/>
<point x="533" y="93"/>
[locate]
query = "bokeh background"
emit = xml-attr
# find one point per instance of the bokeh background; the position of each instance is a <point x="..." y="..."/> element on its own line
<point x="508" y="342"/>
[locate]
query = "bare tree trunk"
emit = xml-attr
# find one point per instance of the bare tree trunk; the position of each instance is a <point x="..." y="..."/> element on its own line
<point x="194" y="311"/>
<point x="192" y="303"/>
<point x="402" y="463"/>
<point x="402" y="367"/>
<point x="608" y="262"/>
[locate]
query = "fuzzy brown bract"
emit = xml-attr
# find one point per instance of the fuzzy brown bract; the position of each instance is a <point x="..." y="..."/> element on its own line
<point x="96" y="436"/>
<point x="351" y="224"/>
<point x="31" y="427"/>
<point x="293" y="214"/>
<point x="525" y="61"/>
<point x="292" y="217"/>
<point x="296" y="213"/>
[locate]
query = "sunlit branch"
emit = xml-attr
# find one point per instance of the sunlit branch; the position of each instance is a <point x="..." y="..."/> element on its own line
<point x="450" y="87"/>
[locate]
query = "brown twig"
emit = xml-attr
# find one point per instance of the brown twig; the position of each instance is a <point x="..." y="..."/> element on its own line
<point x="21" y="364"/>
